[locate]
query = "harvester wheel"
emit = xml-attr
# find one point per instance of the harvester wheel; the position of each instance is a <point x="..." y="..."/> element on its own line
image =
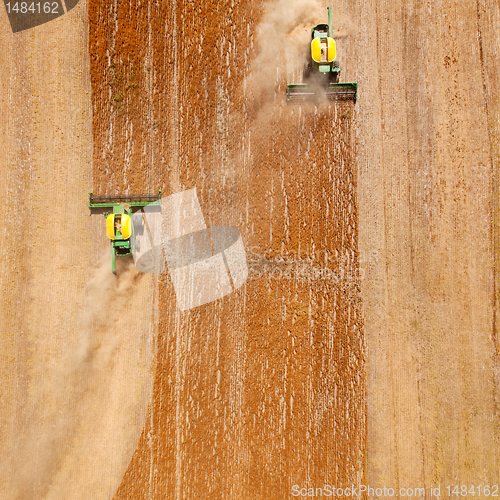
<point x="138" y="223"/>
<point x="333" y="77"/>
<point x="307" y="70"/>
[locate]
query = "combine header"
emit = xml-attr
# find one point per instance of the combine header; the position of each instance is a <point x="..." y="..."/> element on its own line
<point x="322" y="72"/>
<point x="122" y="224"/>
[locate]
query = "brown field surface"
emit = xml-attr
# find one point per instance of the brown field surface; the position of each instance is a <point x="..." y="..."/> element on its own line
<point x="363" y="347"/>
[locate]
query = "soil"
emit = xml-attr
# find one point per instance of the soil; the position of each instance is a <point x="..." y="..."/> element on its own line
<point x="363" y="347"/>
<point x="427" y="123"/>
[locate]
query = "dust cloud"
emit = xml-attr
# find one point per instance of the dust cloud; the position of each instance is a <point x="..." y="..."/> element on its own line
<point x="73" y="384"/>
<point x="282" y="37"/>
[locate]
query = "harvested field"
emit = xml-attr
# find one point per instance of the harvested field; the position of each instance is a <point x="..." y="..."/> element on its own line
<point x="363" y="347"/>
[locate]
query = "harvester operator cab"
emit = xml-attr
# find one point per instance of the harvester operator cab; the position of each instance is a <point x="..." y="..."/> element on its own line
<point x="323" y="52"/>
<point x="118" y="226"/>
<point x="322" y="46"/>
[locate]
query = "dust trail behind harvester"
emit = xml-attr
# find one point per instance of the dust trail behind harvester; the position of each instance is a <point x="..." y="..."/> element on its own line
<point x="69" y="418"/>
<point x="284" y="28"/>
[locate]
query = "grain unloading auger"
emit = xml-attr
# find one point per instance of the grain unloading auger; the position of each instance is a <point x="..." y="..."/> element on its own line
<point x="122" y="222"/>
<point x="322" y="72"/>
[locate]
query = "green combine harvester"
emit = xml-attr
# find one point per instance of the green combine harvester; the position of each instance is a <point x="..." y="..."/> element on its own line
<point x="122" y="223"/>
<point x="322" y="72"/>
